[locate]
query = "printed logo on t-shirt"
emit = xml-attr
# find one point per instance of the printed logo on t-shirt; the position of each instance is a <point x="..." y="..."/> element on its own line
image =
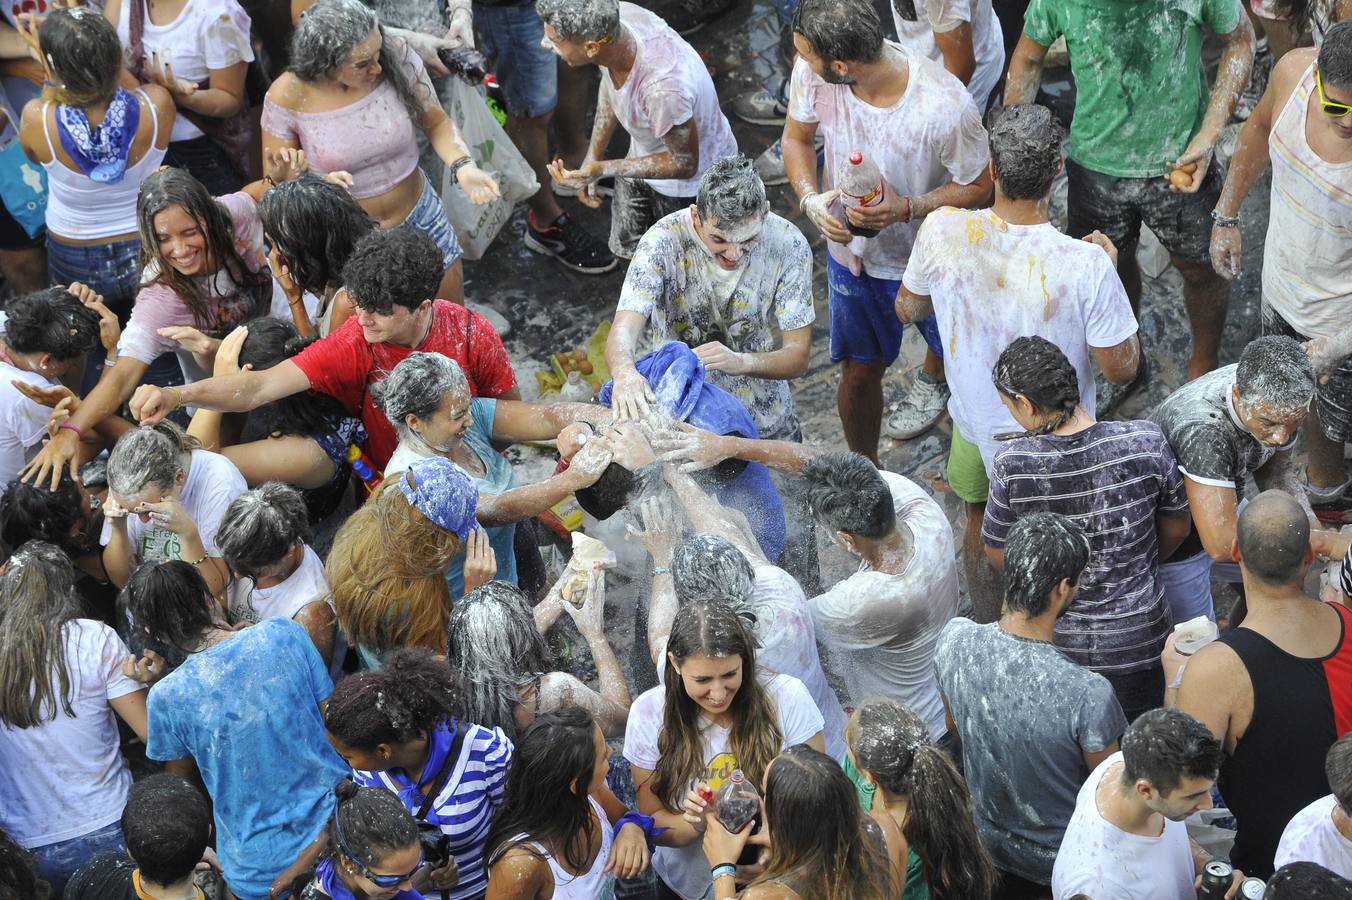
<point x="19" y="7"/>
<point x="720" y="769"/>
<point x="159" y="545"/>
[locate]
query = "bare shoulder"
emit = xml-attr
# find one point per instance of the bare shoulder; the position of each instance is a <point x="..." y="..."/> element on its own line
<point x="287" y="90"/>
<point x="769" y="891"/>
<point x="1287" y="72"/>
<point x="1212" y="679"/>
<point x="519" y="874"/>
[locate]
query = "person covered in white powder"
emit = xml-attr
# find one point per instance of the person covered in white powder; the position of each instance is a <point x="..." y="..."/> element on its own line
<point x="1126" y="838"/>
<point x="1322" y="832"/>
<point x="918" y="125"/>
<point x="989" y="276"/>
<point x="964" y="35"/>
<point x="265" y="540"/>
<point x="655" y="85"/>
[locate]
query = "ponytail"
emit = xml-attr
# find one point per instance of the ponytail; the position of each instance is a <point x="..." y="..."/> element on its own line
<point x="1036" y="369"/>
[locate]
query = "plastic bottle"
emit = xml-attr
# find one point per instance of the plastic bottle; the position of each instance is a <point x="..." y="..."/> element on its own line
<point x="361" y="464"/>
<point x="860" y="184"/>
<point x="575" y="389"/>
<point x="737" y="802"/>
<point x="464" y="63"/>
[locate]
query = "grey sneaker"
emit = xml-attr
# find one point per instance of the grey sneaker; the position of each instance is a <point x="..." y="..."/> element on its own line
<point x="923" y="405"/>
<point x="762" y="107"/>
<point x="770" y="164"/>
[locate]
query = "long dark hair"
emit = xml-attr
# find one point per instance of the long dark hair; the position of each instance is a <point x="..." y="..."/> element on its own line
<point x="892" y="744"/>
<point x="546" y="796"/>
<point x="171" y="601"/>
<point x="703" y="628"/>
<point x="1036" y="369"/>
<point x="314" y="224"/>
<point x="820" y="842"/>
<point x="271" y="341"/>
<point x="84" y="54"/>
<point x="498" y="651"/>
<point x="32" y="512"/>
<point x="413" y="693"/>
<point x="166" y="187"/>
<point x="37" y="599"/>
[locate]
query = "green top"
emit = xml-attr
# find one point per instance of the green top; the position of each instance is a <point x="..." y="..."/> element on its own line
<point x="1141" y="92"/>
<point x="917" y="888"/>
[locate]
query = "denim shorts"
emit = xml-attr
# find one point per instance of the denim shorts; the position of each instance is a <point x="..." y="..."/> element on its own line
<point x="1333" y="398"/>
<point x="511" y="37"/>
<point x="429" y="217"/>
<point x="112" y="269"/>
<point x="864" y="323"/>
<point x="1187" y="587"/>
<point x="58" y="862"/>
<point x="1117" y="207"/>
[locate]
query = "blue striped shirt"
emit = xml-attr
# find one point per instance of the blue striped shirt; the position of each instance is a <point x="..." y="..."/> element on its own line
<point x="464" y="808"/>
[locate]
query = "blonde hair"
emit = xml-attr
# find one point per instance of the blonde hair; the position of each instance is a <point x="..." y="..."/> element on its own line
<point x="388" y="572"/>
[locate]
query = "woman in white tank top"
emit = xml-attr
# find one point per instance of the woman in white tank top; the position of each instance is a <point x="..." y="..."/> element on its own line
<point x="561" y="834"/>
<point x="98" y="142"/>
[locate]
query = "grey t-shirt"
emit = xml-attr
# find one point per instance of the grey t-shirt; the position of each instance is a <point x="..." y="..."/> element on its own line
<point x="1212" y="446"/>
<point x="1026" y="716"/>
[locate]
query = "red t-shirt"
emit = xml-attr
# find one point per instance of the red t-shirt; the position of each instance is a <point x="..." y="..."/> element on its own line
<point x="343" y="365"/>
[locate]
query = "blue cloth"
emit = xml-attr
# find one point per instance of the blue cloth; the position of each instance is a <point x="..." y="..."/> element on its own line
<point x="864" y="323"/>
<point x="464" y="808"/>
<point x="499" y="476"/>
<point x="443" y="492"/>
<point x="101" y="153"/>
<point x="247" y="711"/>
<point x="327" y="878"/>
<point x="58" y="862"/>
<point x="676" y="375"/>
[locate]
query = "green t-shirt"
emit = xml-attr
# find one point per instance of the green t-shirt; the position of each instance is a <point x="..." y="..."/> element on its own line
<point x="1141" y="92"/>
<point x="916" y="887"/>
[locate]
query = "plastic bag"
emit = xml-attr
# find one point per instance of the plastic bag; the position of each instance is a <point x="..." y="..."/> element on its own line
<point x="493" y="151"/>
<point x="23" y="188"/>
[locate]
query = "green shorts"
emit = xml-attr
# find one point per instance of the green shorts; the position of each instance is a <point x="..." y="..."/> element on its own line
<point x="966" y="472"/>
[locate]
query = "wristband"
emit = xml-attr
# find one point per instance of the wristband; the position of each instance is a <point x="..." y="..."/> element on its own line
<point x="660" y="570"/>
<point x="455" y="167"/>
<point x="178" y="397"/>
<point x="1224" y="221"/>
<point x="650" y="833"/>
<point x="719" y="871"/>
<point x="69" y="427"/>
<point x="109" y="362"/>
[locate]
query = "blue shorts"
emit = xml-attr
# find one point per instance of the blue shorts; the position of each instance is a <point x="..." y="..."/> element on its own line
<point x="429" y="217"/>
<point x="864" y="323"/>
<point x="510" y="36"/>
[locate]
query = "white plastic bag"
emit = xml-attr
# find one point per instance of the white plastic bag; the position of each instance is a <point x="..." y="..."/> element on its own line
<point x="493" y="151"/>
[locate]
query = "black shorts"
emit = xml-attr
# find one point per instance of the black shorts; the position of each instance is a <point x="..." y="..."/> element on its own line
<point x="1117" y="207"/>
<point x="13" y="236"/>
<point x="634" y="209"/>
<point x="1333" y="398"/>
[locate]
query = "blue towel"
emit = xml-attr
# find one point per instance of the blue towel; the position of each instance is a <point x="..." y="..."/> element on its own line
<point x="676" y="375"/>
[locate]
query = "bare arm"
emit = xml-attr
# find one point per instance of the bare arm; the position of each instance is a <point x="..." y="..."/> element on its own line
<point x="632" y="396"/>
<point x="1025" y="71"/>
<point x="789" y="361"/>
<point x="229" y="393"/>
<point x="62" y="450"/>
<point x="707" y="514"/>
<point x="1215" y="516"/>
<point x="913" y="307"/>
<point x="1212" y="682"/>
<point x="800" y="156"/>
<point x="131" y="708"/>
<point x="699" y="449"/>
<point x="682" y="833"/>
<point x="1170" y="532"/>
<point x="679" y="160"/>
<point x="519" y="875"/>
<point x="532" y="499"/>
<point x="515" y="420"/>
<point x="321" y="624"/>
<point x="968" y="196"/>
<point x="956" y="47"/>
<point x="222" y="97"/>
<point x="1120" y="362"/>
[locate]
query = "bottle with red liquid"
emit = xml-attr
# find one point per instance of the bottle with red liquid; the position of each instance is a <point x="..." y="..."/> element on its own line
<point x="860" y="184"/>
<point x="736" y="802"/>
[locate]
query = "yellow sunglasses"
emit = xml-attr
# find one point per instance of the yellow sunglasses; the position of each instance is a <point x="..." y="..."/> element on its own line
<point x="1335" y="110"/>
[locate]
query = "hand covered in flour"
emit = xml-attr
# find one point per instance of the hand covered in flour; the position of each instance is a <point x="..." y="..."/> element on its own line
<point x="688" y="448"/>
<point x="817" y="208"/>
<point x="1327" y="353"/>
<point x="590" y="615"/>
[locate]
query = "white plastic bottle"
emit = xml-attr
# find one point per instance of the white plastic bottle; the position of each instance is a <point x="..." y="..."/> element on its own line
<point x="575" y="389"/>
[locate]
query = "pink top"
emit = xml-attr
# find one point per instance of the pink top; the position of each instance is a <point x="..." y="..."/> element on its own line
<point x="372" y="139"/>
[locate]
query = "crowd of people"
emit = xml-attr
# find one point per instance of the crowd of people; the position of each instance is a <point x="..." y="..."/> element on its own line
<point x="280" y="616"/>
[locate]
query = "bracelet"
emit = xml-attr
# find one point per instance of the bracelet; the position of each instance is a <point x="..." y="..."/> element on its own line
<point x="109" y="362"/>
<point x="69" y="427"/>
<point x="270" y="181"/>
<point x="1224" y="221"/>
<point x="198" y="562"/>
<point x="660" y="570"/>
<point x="455" y="167"/>
<point x="719" y="871"/>
<point x="650" y="833"/>
<point x="178" y="397"/>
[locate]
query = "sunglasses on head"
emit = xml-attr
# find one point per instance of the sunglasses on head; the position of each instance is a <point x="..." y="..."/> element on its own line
<point x="384" y="881"/>
<point x="1330" y="108"/>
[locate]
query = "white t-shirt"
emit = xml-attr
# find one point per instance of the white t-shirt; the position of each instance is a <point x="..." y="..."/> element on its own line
<point x="929" y="137"/>
<point x="992" y="282"/>
<point x="1311" y="836"/>
<point x="213" y="484"/>
<point x="206" y="35"/>
<point x="685" y="869"/>
<point x="1104" y="862"/>
<point x="302" y="587"/>
<point x="668" y="86"/>
<point x="23" y="423"/>
<point x="881" y="631"/>
<point x="942" y="16"/>
<point x="66" y="777"/>
<point x="788" y="646"/>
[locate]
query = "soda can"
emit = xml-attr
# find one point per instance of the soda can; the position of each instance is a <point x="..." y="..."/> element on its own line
<point x="1216" y="879"/>
<point x="1252" y="889"/>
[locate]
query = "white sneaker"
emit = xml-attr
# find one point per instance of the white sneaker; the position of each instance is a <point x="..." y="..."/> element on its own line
<point x="923" y="405"/>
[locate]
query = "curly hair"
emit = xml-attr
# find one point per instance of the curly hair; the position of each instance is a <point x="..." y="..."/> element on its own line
<point x="314" y="224"/>
<point x="388" y="573"/>
<point x="51" y="321"/>
<point x="32" y="512"/>
<point x="1036" y="369"/>
<point x="395" y="267"/>
<point x="411" y="695"/>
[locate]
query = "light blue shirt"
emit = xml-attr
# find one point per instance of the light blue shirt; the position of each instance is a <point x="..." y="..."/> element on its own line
<point x="499" y="476"/>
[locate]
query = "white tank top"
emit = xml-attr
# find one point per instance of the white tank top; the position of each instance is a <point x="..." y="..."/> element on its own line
<point x="1307" y="259"/>
<point x="79" y="207"/>
<point x="589" y="885"/>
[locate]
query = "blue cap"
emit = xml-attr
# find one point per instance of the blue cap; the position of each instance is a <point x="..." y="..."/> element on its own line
<point x="443" y="492"/>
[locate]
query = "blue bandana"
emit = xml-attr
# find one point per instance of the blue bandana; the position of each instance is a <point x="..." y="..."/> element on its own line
<point x="443" y="492"/>
<point x="101" y="153"/>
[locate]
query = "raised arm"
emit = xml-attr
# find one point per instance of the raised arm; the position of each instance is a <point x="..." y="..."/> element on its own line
<point x="516" y="420"/>
<point x="231" y="393"/>
<point x="1025" y="71"/>
<point x="694" y="449"/>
